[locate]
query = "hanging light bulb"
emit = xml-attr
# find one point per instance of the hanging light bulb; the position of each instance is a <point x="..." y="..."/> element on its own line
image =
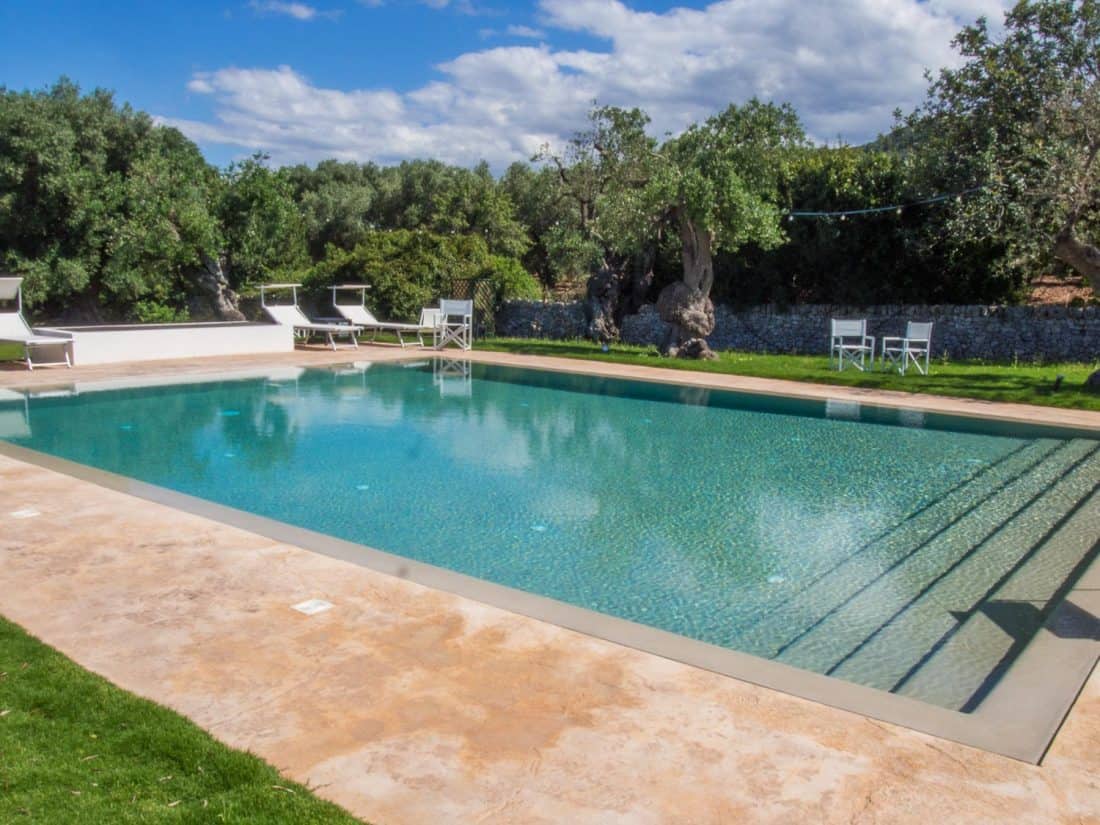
<point x="898" y="211"/>
<point x="958" y="199"/>
<point x="844" y="217"/>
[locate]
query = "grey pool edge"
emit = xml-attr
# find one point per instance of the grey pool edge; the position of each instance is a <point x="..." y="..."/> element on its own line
<point x="1019" y="719"/>
<point x="906" y="400"/>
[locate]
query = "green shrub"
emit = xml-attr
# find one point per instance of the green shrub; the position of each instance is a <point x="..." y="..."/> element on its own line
<point x="410" y="269"/>
<point x="510" y="279"/>
<point x="152" y="312"/>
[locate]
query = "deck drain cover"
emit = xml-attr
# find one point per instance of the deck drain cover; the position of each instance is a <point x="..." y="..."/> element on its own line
<point x="312" y="606"/>
<point x="26" y="512"/>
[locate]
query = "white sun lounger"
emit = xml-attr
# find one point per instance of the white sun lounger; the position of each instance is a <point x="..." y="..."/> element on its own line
<point x="291" y="315"/>
<point x="15" y="330"/>
<point x="357" y="313"/>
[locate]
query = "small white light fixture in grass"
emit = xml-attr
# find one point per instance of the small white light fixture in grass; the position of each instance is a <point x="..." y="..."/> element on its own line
<point x="312" y="607"/>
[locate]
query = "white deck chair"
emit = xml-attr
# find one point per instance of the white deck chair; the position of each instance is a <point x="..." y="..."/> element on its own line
<point x="14" y="329"/>
<point x="913" y="348"/>
<point x="849" y="344"/>
<point x="456" y="324"/>
<point x="357" y="313"/>
<point x="290" y="315"/>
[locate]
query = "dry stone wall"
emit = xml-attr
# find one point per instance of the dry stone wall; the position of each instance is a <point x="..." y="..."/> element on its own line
<point x="990" y="332"/>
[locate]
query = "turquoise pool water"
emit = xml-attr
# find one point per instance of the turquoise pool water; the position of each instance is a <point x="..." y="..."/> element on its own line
<point x="914" y="553"/>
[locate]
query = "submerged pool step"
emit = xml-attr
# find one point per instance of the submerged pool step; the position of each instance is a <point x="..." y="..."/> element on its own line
<point x="900" y="644"/>
<point x="792" y="616"/>
<point x="879" y="633"/>
<point x="965" y="663"/>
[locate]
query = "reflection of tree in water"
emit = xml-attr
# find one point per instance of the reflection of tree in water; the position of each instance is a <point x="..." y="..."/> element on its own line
<point x="263" y="433"/>
<point x="566" y="437"/>
<point x="152" y="433"/>
<point x="736" y="499"/>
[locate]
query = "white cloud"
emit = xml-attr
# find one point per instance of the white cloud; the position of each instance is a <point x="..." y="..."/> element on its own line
<point x="845" y="65"/>
<point x="525" y="31"/>
<point x="299" y="11"/>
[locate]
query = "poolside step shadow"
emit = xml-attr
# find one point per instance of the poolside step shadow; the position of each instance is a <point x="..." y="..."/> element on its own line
<point x="907" y="617"/>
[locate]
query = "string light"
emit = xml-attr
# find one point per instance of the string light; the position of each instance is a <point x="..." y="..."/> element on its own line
<point x="896" y="208"/>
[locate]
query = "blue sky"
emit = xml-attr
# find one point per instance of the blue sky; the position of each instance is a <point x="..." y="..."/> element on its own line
<point x="463" y="80"/>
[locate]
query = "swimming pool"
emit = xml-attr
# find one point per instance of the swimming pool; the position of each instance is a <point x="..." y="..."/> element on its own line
<point x="908" y="552"/>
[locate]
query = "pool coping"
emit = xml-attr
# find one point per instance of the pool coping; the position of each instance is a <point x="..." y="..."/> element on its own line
<point x="923" y="402"/>
<point x="140" y="371"/>
<point x="1018" y="719"/>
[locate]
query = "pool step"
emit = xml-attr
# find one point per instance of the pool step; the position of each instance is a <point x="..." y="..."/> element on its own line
<point x="966" y="661"/>
<point x="877" y="635"/>
<point x="791" y="616"/>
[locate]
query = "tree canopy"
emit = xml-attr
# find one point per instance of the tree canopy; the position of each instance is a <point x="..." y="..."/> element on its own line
<point x="111" y="216"/>
<point x="1020" y="121"/>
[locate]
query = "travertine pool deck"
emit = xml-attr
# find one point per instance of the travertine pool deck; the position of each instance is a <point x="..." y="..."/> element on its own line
<point x="407" y="704"/>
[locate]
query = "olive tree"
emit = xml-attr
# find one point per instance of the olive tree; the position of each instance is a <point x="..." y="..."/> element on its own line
<point x="1020" y="120"/>
<point x="613" y="155"/>
<point x="714" y="187"/>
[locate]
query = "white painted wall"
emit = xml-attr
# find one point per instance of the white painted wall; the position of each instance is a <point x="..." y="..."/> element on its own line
<point x="155" y="342"/>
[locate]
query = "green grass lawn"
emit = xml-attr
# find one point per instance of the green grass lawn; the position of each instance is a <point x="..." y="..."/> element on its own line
<point x="76" y="749"/>
<point x="1020" y="383"/>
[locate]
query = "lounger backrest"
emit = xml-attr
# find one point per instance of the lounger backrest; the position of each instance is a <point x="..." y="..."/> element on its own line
<point x="849" y="329"/>
<point x="288" y="315"/>
<point x="429" y="317"/>
<point x="919" y="330"/>
<point x="13" y="327"/>
<point x="449" y="308"/>
<point x="10" y="287"/>
<point x="358" y="314"/>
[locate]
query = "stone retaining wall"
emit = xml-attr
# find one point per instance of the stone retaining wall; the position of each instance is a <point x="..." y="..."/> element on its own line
<point x="1045" y="333"/>
<point x="538" y="319"/>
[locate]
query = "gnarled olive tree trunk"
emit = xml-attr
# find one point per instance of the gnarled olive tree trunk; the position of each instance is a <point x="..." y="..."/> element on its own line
<point x="1085" y="260"/>
<point x="215" y="287"/>
<point x="685" y="305"/>
<point x="617" y="289"/>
